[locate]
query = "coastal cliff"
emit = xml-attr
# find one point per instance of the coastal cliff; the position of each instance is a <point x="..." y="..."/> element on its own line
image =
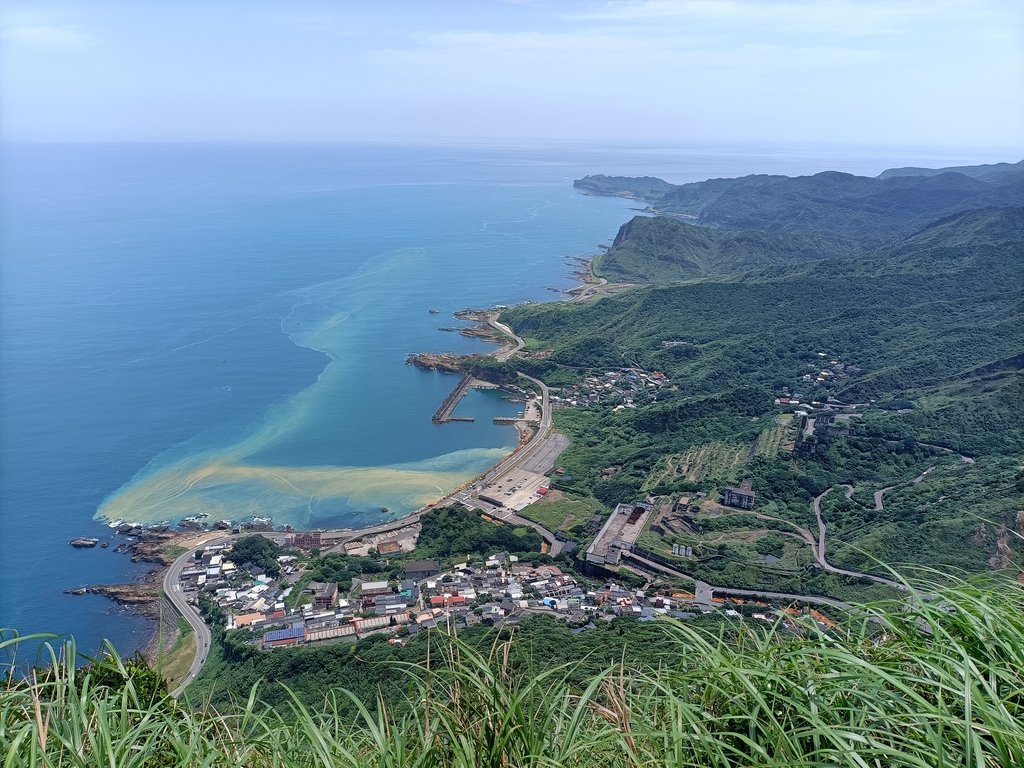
<point x="864" y="211"/>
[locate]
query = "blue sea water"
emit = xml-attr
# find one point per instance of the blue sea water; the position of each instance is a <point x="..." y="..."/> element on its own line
<point x="223" y="329"/>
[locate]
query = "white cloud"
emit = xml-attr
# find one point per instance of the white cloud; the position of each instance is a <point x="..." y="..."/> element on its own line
<point x="839" y="17"/>
<point x="46" y="36"/>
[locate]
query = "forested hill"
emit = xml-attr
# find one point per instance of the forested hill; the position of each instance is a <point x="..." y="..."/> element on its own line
<point x="662" y="249"/>
<point x="867" y="212"/>
<point x="929" y="328"/>
<point x="923" y="311"/>
<point x="994" y="172"/>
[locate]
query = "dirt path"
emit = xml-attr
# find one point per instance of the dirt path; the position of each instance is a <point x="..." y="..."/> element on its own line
<point x="801" y="533"/>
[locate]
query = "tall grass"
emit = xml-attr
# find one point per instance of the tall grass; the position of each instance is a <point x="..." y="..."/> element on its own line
<point x="936" y="679"/>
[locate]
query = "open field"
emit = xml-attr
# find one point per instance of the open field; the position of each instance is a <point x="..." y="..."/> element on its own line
<point x="562" y="511"/>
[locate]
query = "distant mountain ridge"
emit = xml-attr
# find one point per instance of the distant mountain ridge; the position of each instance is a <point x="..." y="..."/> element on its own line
<point x="991" y="172"/>
<point x="866" y="212"/>
<point x="660" y="249"/>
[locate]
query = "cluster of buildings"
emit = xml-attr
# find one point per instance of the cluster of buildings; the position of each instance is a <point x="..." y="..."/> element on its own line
<point x="827" y="371"/>
<point x="499" y="590"/>
<point x="247" y="594"/>
<point x="252" y="599"/>
<point x="621" y="388"/>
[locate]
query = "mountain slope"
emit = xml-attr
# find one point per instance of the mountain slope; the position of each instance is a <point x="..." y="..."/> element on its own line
<point x="996" y="172"/>
<point x="662" y="249"/>
<point x="932" y="324"/>
<point x="865" y="211"/>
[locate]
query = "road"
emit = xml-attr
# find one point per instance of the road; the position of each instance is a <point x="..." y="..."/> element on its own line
<point x="819" y="551"/>
<point x="878" y="496"/>
<point x="190" y="612"/>
<point x="537" y="455"/>
<point x="172" y="588"/>
<point x="703" y="592"/>
<point x="517" y="342"/>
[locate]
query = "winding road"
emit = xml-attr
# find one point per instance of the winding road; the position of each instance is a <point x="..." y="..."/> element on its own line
<point x="503" y="355"/>
<point x="172" y="588"/>
<point x="878" y="496"/>
<point x="819" y="551"/>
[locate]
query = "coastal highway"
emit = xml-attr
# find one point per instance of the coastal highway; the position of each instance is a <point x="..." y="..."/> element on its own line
<point x="190" y="612"/>
<point x="172" y="588"/>
<point x="517" y="342"/>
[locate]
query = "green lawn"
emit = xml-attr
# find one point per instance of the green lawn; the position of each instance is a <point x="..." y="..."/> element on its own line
<point x="564" y="511"/>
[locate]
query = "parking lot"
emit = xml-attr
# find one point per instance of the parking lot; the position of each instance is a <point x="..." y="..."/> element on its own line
<point x="515" y="489"/>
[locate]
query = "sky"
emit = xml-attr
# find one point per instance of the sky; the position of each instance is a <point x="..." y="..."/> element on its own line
<point x="943" y="73"/>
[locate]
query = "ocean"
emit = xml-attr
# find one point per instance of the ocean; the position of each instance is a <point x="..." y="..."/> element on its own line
<point x="223" y="329"/>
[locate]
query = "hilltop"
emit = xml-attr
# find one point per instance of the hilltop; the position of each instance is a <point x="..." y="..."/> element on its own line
<point x="866" y="212"/>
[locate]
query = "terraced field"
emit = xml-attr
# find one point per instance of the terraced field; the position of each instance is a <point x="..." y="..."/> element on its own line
<point x="778" y="438"/>
<point x="720" y="461"/>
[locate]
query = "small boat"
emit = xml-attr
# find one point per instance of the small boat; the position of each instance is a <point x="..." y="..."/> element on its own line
<point x="104" y="544"/>
<point x="434" y="311"/>
<point x="385" y="510"/>
<point x="84" y="541"/>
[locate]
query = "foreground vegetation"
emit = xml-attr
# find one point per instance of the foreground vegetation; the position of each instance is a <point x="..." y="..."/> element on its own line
<point x="918" y="682"/>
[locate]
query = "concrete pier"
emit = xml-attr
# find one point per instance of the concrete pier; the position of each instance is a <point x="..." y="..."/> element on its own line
<point x="443" y="415"/>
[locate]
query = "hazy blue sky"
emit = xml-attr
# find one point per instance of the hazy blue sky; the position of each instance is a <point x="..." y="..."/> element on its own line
<point x="914" y="72"/>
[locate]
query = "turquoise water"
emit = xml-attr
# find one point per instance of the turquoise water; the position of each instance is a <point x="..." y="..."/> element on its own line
<point x="224" y="329"/>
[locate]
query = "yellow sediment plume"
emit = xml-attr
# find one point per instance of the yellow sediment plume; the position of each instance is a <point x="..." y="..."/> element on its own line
<point x="222" y="489"/>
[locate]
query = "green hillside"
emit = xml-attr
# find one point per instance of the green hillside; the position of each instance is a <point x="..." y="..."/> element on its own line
<point x="932" y="325"/>
<point x="867" y="212"/>
<point x="990" y="172"/>
<point x="662" y="249"/>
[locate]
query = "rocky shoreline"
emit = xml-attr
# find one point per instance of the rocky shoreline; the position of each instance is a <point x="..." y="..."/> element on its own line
<point x="140" y="597"/>
<point x="145" y="598"/>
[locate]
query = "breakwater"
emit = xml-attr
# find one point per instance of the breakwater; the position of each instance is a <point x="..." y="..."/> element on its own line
<point x="443" y="415"/>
